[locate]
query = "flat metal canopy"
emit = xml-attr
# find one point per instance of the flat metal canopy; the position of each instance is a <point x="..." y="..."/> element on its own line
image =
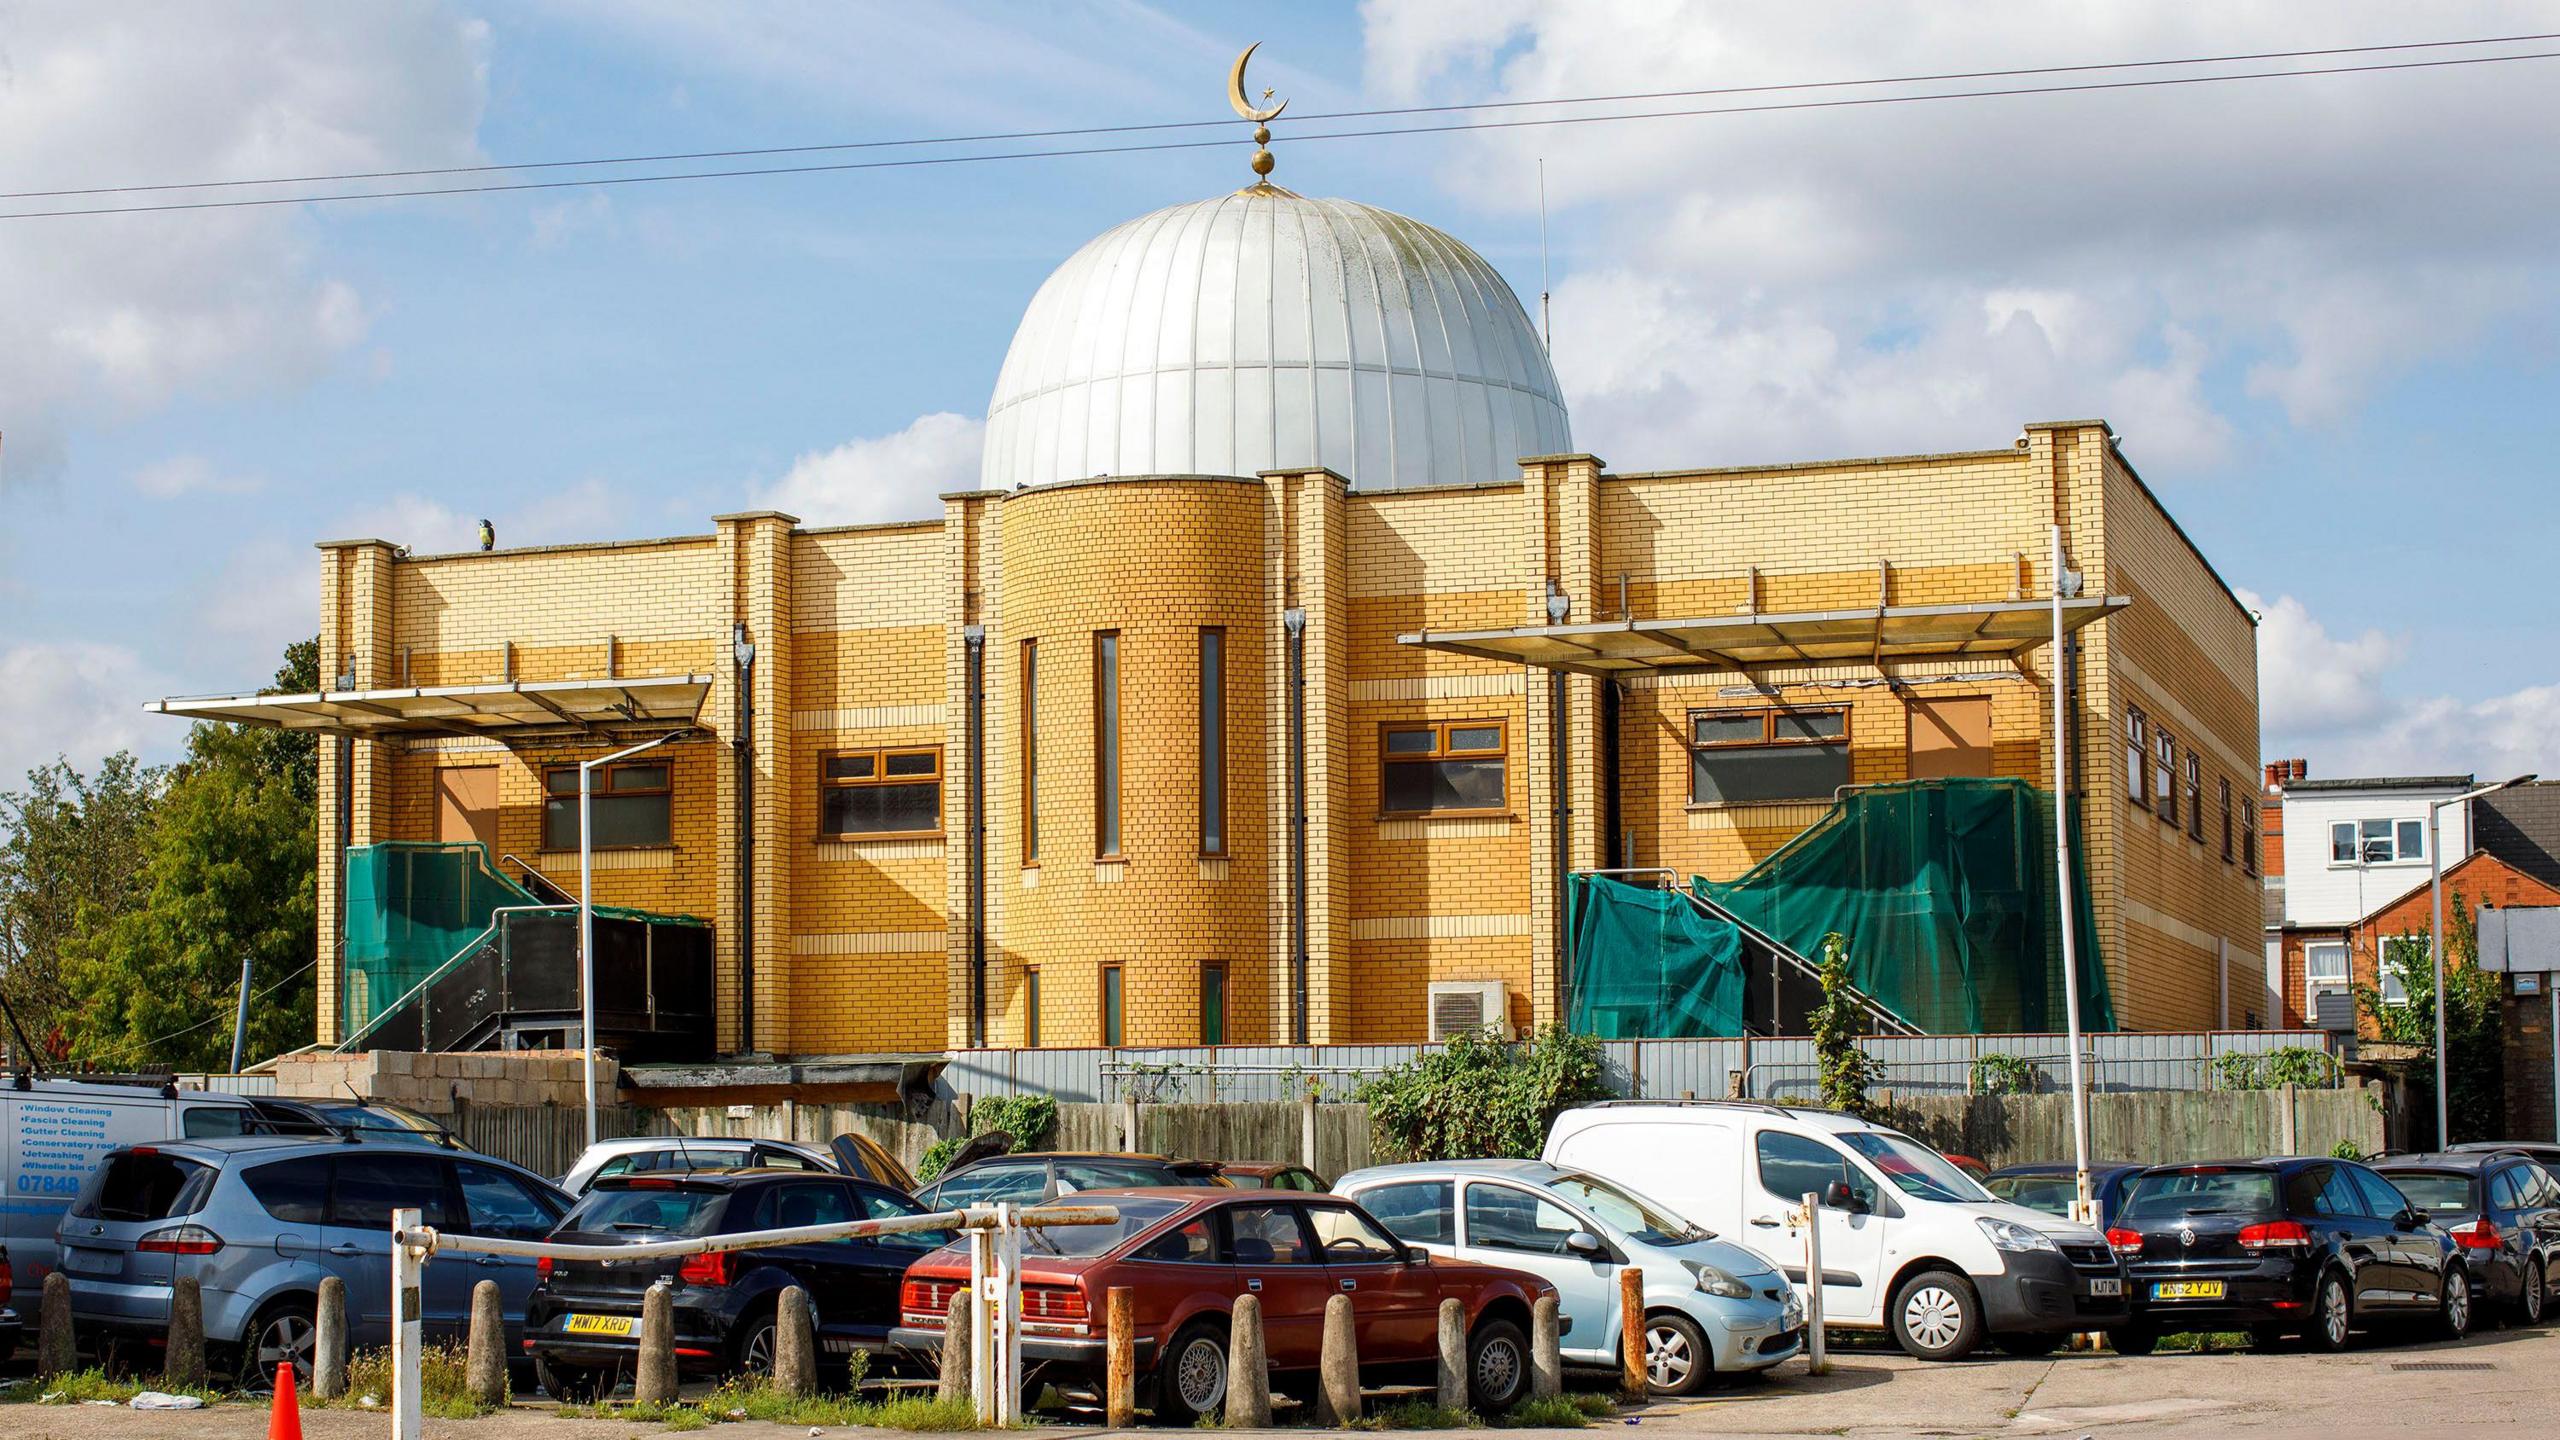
<point x="1746" y="641"/>
<point x="516" y="710"/>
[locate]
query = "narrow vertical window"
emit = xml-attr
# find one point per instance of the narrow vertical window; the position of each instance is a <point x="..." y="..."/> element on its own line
<point x="1031" y="1008"/>
<point x="1031" y="757"/>
<point x="2223" y="790"/>
<point x="2164" y="777"/>
<point x="1213" y="1004"/>
<point x="1106" y="744"/>
<point x="2137" y="755"/>
<point x="1111" y="1005"/>
<point x="2194" y="773"/>
<point x="1213" y="742"/>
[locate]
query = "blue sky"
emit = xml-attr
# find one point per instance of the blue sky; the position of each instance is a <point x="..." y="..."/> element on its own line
<point x="2322" y="311"/>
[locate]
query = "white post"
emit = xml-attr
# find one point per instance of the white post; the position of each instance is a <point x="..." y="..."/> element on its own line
<point x="2435" y="953"/>
<point x="1815" y="1348"/>
<point x="408" y="1273"/>
<point x="2069" y="914"/>
<point x="1008" y="1316"/>
<point x="981" y="1367"/>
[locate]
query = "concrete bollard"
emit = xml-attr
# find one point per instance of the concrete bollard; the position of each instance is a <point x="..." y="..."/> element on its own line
<point x="1453" y="1355"/>
<point x="795" y="1344"/>
<point x="55" y="1352"/>
<point x="1120" y="1358"/>
<point x="484" y="1366"/>
<point x="1248" y="1368"/>
<point x="1631" y="1386"/>
<point x="1546" y="1348"/>
<point x="1338" y="1367"/>
<point x="656" y="1382"/>
<point x="182" y="1360"/>
<point x="955" y="1348"/>
<point x="329" y="1342"/>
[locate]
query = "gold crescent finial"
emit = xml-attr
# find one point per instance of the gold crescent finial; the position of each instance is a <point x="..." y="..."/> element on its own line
<point x="1261" y="117"/>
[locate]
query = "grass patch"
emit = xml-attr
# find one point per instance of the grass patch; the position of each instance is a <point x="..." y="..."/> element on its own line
<point x="759" y="1400"/>
<point x="79" y="1387"/>
<point x="443" y="1391"/>
<point x="1418" y="1415"/>
<point x="2204" y="1342"/>
<point x="1553" y="1412"/>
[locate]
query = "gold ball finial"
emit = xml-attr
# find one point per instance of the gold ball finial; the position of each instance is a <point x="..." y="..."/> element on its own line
<point x="1262" y="162"/>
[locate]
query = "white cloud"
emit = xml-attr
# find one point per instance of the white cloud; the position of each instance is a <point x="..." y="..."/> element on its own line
<point x="80" y="702"/>
<point x="2352" y="706"/>
<point x="104" y="317"/>
<point x="1901" y="277"/>
<point x="898" y="476"/>
<point x="190" y="475"/>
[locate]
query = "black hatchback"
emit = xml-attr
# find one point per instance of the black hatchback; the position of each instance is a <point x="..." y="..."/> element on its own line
<point x="582" y="1325"/>
<point x="2504" y="1214"/>
<point x="2278" y="1247"/>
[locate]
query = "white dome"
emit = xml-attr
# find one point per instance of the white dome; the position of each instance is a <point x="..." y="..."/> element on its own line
<point x="1264" y="331"/>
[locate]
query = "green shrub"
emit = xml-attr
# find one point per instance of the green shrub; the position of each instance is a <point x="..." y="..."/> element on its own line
<point x="1480" y="1098"/>
<point x="2302" y="1065"/>
<point x="1998" y="1074"/>
<point x="1027" y="1118"/>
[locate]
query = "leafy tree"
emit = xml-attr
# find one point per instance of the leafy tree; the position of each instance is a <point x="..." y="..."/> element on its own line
<point x="2474" y="1023"/>
<point x="1478" y="1097"/>
<point x="1027" y="1118"/>
<point x="1847" y="1070"/>
<point x="73" y="856"/>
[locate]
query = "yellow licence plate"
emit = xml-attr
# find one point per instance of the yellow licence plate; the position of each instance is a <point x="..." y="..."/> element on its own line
<point x="622" y="1325"/>
<point x="2187" y="1290"/>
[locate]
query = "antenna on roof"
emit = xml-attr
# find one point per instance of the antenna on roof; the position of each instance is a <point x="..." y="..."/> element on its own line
<point x="1546" y="316"/>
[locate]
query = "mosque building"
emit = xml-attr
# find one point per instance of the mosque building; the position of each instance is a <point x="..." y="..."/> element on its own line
<point x="1286" y="660"/>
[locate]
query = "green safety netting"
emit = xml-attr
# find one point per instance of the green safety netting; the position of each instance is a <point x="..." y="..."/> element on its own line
<point x="1669" y="969"/>
<point x="413" y="904"/>
<point x="1944" y="890"/>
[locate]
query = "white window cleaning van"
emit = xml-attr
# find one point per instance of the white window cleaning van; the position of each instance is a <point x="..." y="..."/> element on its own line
<point x="1910" y="1245"/>
<point x="53" y="1133"/>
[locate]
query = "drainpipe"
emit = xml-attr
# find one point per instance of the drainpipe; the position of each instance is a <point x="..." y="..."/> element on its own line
<point x="974" y="641"/>
<point x="1559" y="605"/>
<point x="1294" y="621"/>
<point x="742" y="658"/>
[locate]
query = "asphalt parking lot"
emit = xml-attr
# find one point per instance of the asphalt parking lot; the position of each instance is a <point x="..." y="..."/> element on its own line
<point x="2504" y="1381"/>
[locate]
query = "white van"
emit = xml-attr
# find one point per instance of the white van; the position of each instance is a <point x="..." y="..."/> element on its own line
<point x="53" y="1133"/>
<point x="1910" y="1244"/>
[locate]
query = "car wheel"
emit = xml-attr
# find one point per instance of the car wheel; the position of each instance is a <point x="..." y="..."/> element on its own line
<point x="2028" y="1347"/>
<point x="282" y="1331"/>
<point x="2532" y="1296"/>
<point x="2453" y="1314"/>
<point x="1677" y="1359"/>
<point x="1191" y="1379"/>
<point x="751" y="1349"/>
<point x="570" y="1384"/>
<point x="1936" y="1316"/>
<point x="1497" y="1366"/>
<point x="2332" y="1314"/>
<point x="2133" y="1340"/>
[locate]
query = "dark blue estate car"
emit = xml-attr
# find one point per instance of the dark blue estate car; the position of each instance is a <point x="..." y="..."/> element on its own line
<point x="2052" y="1188"/>
<point x="582" y="1324"/>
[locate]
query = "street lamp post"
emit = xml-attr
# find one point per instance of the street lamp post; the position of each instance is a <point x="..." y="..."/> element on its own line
<point x="587" y="911"/>
<point x="2066" y="906"/>
<point x="2435" y="942"/>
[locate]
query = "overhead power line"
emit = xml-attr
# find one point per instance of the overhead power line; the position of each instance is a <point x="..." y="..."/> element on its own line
<point x="989" y="138"/>
<point x="586" y="182"/>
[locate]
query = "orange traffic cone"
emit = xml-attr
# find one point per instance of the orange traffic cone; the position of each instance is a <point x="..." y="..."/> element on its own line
<point x="284" y="1417"/>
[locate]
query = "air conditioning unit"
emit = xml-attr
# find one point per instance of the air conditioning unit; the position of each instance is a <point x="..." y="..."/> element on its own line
<point x="1463" y="1005"/>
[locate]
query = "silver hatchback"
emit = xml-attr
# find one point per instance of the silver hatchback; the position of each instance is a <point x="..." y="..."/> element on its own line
<point x="260" y="1222"/>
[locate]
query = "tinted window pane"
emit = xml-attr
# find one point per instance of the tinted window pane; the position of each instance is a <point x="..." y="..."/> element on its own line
<point x="560" y="782"/>
<point x="1267" y="1235"/>
<point x="1784" y="772"/>
<point x="2413" y="840"/>
<point x="1792" y="1167"/>
<point x="368" y="1188"/>
<point x="1075" y="1175"/>
<point x="986" y="1184"/>
<point x="636" y="777"/>
<point x="1409" y="742"/>
<point x="295" y="1192"/>
<point x="2380" y="1199"/>
<point x="2435" y="1194"/>
<point x="1500" y="1217"/>
<point x="658" y="1214"/>
<point x="1191" y="1244"/>
<point x="880" y="1205"/>
<point x="496" y="1203"/>
<point x="1475" y="737"/>
<point x="850" y="767"/>
<point x="879" y="809"/>
<point x="133" y="1186"/>
<point x="911" y="762"/>
<point x="788" y="1207"/>
<point x="1831" y="726"/>
<point x="2172" y="1193"/>
<point x="1345" y="1237"/>
<point x="1421" y="785"/>
<point x="204" y="1121"/>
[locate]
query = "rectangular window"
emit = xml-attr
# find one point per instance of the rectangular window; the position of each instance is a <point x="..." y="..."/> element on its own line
<point x="1031" y="1008"/>
<point x="1030" y="752"/>
<point x="2222" y="790"/>
<point x="2164" y="777"/>
<point x="2377" y="842"/>
<point x="1775" y="754"/>
<point x="1111" y="1005"/>
<point x="633" y="806"/>
<point x="2195" y="795"/>
<point x="2249" y="837"/>
<point x="880" y="792"/>
<point x="1213" y="742"/>
<point x="2413" y="840"/>
<point x="1213" y="1004"/>
<point x="1106" y="745"/>
<point x="2397" y="952"/>
<point x="1444" y="767"/>
<point x="2137" y="758"/>
<point x="2324" y="971"/>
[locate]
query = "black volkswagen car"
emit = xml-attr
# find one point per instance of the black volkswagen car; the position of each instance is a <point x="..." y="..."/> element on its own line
<point x="582" y="1324"/>
<point x="2503" y="1211"/>
<point x="2278" y="1247"/>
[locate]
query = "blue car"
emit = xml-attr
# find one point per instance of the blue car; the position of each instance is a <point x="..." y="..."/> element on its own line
<point x="1711" y="1306"/>
<point x="260" y="1222"/>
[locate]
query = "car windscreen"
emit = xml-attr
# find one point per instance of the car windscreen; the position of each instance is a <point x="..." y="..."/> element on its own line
<point x="2211" y="1190"/>
<point x="143" y="1185"/>
<point x="2051" y="1194"/>
<point x="660" y="1210"/>
<point x="1136" y="1214"/>
<point x="1639" y="1219"/>
<point x="1914" y="1168"/>
<point x="2434" y="1191"/>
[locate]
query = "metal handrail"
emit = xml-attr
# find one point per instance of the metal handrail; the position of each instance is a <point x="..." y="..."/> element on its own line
<point x="496" y="920"/>
<point x="1875" y="1008"/>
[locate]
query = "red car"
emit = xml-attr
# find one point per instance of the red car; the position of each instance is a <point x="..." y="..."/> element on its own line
<point x="1185" y="1254"/>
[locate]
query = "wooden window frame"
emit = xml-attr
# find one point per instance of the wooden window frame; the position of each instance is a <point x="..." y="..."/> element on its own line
<point x="2137" y="740"/>
<point x="1110" y="782"/>
<point x="1030" y="745"/>
<point x="1031" y="1007"/>
<point x="2164" y="776"/>
<point x="604" y="791"/>
<point x="1440" y="751"/>
<point x="1769" y="739"/>
<point x="1213" y="735"/>
<point x="880" y="776"/>
<point x="2191" y="772"/>
<point x="2230" y="821"/>
<point x="1219" y="968"/>
<point x="1111" y="975"/>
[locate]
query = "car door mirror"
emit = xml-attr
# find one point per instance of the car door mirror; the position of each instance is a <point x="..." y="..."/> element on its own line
<point x="2412" y="1217"/>
<point x="1416" y="1255"/>
<point x="1838" y="1196"/>
<point x="1583" y="1242"/>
